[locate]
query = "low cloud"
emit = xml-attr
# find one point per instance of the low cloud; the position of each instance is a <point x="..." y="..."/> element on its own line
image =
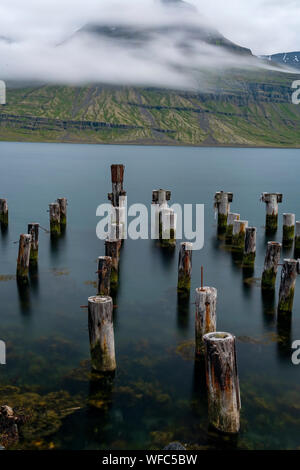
<point x="42" y="42"/>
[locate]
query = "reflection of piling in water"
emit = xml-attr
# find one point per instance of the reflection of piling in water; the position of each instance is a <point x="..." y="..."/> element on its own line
<point x="104" y="275"/>
<point x="238" y="235"/>
<point x="271" y="200"/>
<point x="222" y="205"/>
<point x="23" y="258"/>
<point x="62" y="201"/>
<point x="3" y="212"/>
<point x="271" y="265"/>
<point x="33" y="230"/>
<point x="112" y="249"/>
<point x="284" y="331"/>
<point x="184" y="269"/>
<point x="229" y="229"/>
<point x="206" y="316"/>
<point x="289" y="272"/>
<point x="101" y="333"/>
<point x="288" y="229"/>
<point x="250" y="247"/>
<point x="222" y="382"/>
<point x="54" y="213"/>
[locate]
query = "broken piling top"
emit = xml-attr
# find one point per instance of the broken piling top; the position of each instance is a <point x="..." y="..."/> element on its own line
<point x="117" y="175"/>
<point x="160" y="196"/>
<point x="272" y="259"/>
<point x="222" y="201"/>
<point x="222" y="382"/>
<point x="271" y="198"/>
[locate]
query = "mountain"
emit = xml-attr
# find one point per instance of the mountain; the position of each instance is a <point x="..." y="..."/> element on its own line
<point x="247" y="109"/>
<point x="183" y="33"/>
<point x="290" y="59"/>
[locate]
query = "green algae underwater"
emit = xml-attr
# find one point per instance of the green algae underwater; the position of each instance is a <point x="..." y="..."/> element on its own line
<point x="158" y="392"/>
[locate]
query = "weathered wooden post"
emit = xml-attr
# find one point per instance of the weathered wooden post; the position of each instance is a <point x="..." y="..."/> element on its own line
<point x="271" y="265"/>
<point x="185" y="268"/>
<point x="54" y="211"/>
<point x="33" y="230"/>
<point x="161" y="197"/>
<point x="222" y="381"/>
<point x="288" y="231"/>
<point x="230" y="219"/>
<point x="112" y="249"/>
<point x="239" y="234"/>
<point x="206" y="316"/>
<point x="250" y="247"/>
<point x="297" y="237"/>
<point x="222" y="205"/>
<point x="3" y="212"/>
<point x="167" y="227"/>
<point x="117" y="176"/>
<point x="104" y="275"/>
<point x="23" y="257"/>
<point x="63" y="202"/>
<point x="101" y="333"/>
<point x="289" y="272"/>
<point x="271" y="200"/>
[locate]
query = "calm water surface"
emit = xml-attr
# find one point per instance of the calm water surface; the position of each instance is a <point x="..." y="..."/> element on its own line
<point x="158" y="392"/>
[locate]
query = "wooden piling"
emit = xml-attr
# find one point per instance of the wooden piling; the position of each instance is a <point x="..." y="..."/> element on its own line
<point x="250" y="247"/>
<point x="117" y="177"/>
<point x="33" y="230"/>
<point x="167" y="227"/>
<point x="206" y="317"/>
<point x="239" y="234"/>
<point x="272" y="200"/>
<point x="222" y="205"/>
<point x="3" y="212"/>
<point x="297" y="237"/>
<point x="271" y="265"/>
<point x="185" y="268"/>
<point x="112" y="249"/>
<point x="222" y="381"/>
<point x="63" y="202"/>
<point x="54" y="211"/>
<point x="230" y="219"/>
<point x="104" y="275"/>
<point x="161" y="197"/>
<point x="23" y="257"/>
<point x="288" y="229"/>
<point x="101" y="333"/>
<point x="289" y="273"/>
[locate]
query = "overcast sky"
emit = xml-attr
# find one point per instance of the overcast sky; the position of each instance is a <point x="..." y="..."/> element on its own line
<point x="37" y="26"/>
<point x="266" y="26"/>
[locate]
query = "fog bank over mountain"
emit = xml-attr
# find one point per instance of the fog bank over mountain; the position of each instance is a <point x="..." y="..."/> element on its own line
<point x="161" y="43"/>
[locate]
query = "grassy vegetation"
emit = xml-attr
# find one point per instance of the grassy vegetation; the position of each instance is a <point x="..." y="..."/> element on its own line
<point x="253" y="109"/>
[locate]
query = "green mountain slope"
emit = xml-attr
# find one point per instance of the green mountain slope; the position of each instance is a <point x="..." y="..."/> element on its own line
<point x="252" y="109"/>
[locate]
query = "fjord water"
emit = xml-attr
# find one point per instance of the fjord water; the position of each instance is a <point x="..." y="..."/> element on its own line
<point x="158" y="392"/>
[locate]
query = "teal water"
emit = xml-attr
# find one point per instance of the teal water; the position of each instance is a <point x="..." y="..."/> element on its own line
<point x="158" y="392"/>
